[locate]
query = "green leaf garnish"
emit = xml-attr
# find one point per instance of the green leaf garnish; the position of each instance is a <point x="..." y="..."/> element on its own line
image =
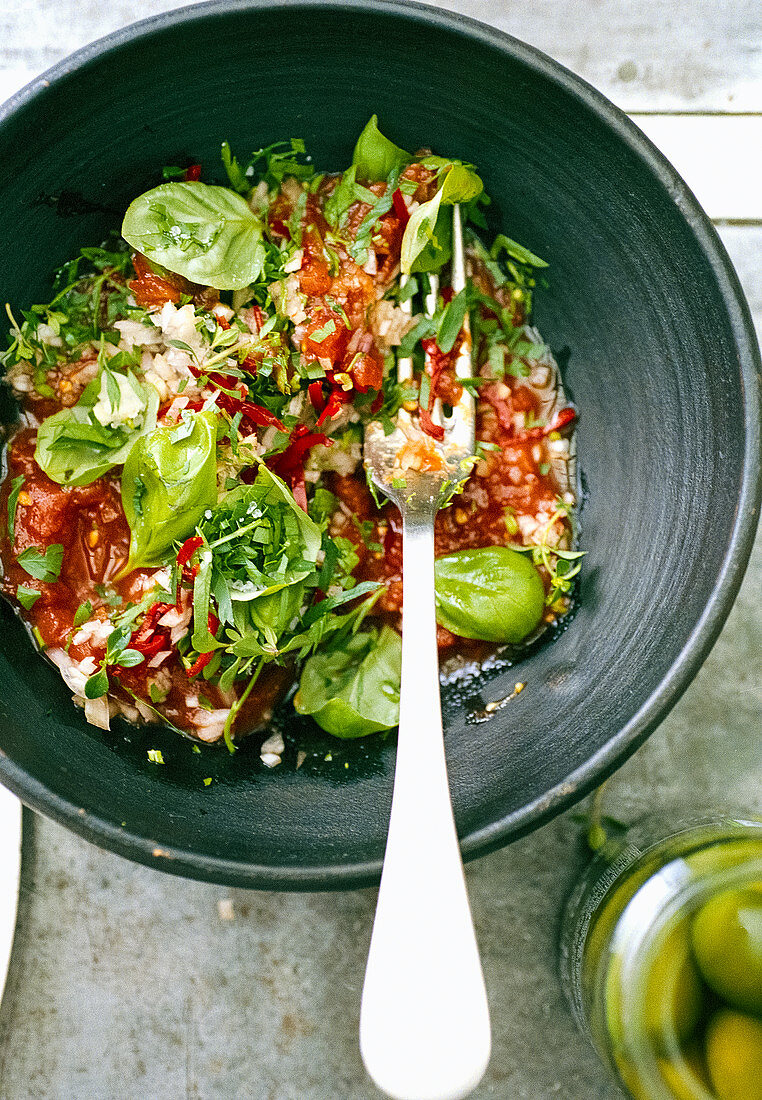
<point x="13" y="497"/>
<point x="27" y="596"/>
<point x="236" y="174"/>
<point x="515" y="251"/>
<point x="451" y="322"/>
<point x="207" y="234"/>
<point x="82" y="614"/>
<point x="97" y="684"/>
<point x="493" y="593"/>
<point x="75" y="448"/>
<point x="375" y="156"/>
<point x="354" y="690"/>
<point x="42" y="565"/>
<point x="425" y="242"/>
<point x="168" y="482"/>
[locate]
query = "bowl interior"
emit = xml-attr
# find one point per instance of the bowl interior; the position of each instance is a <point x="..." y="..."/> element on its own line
<point x="640" y="306"/>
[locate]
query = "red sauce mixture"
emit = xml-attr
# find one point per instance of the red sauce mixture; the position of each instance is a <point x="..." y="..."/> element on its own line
<point x="512" y="480"/>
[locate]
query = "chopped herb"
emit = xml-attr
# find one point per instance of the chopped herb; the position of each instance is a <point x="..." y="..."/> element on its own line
<point x="155" y="756"/>
<point x="42" y="565"/>
<point x="27" y="596"/>
<point x="515" y="251"/>
<point x="451" y="322"/>
<point x="97" y="685"/>
<point x="320" y="334"/>
<point x="16" y="486"/>
<point x="82" y="614"/>
<point x="156" y="695"/>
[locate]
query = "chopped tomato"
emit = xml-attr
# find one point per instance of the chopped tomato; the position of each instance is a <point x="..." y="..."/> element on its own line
<point x="368" y="372"/>
<point x="327" y="335"/>
<point x="149" y="288"/>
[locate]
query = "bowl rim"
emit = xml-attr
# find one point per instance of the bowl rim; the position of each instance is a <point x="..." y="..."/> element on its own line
<point x="602" y="763"/>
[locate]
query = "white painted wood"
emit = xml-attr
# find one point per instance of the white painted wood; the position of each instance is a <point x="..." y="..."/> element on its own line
<point x="643" y="54"/>
<point x="688" y="55"/>
<point x="718" y="156"/>
<point x="10" y="868"/>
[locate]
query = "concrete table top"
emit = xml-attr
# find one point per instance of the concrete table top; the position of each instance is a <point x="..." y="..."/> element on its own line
<point x="127" y="984"/>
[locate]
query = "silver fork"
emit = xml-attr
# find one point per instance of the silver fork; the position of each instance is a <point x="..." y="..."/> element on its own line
<point x="424" y="1022"/>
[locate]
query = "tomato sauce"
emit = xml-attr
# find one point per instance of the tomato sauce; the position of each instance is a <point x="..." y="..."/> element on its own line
<point x="90" y="524"/>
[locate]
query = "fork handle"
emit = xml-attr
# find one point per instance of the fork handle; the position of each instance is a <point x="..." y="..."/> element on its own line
<point x="424" y="1023"/>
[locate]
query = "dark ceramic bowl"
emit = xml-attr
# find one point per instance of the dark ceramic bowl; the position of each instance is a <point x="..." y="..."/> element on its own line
<point x="660" y="358"/>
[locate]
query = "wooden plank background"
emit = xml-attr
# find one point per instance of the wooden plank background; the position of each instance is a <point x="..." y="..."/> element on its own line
<point x="129" y="985"/>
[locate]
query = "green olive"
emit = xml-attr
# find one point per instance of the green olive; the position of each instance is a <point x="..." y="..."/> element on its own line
<point x="687" y="1075"/>
<point x="720" y="857"/>
<point x="672" y="994"/>
<point x="673" y="991"/>
<point x="734" y="1055"/>
<point x="727" y="944"/>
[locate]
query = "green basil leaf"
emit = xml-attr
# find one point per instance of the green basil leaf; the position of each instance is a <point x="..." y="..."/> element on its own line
<point x="116" y="643"/>
<point x="82" y="614"/>
<point x="75" y="448"/>
<point x="206" y="233"/>
<point x="493" y="593"/>
<point x="425" y="242"/>
<point x="128" y="658"/>
<point x="261" y="539"/>
<point x="375" y="156"/>
<point x="97" y="684"/>
<point x="43" y="566"/>
<point x="13" y="499"/>
<point x="354" y="690"/>
<point x="203" y="641"/>
<point x="419" y="232"/>
<point x="261" y="546"/>
<point x="168" y="482"/>
<point x="27" y="596"/>
<point x="271" y="615"/>
<point x="460" y="184"/>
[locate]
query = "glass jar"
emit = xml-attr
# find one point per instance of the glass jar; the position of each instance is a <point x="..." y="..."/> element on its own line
<point x="661" y="958"/>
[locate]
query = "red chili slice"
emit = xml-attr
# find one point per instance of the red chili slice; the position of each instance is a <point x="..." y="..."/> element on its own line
<point x="289" y="464"/>
<point x="149" y="639"/>
<point x="400" y="209"/>
<point x="436" y="431"/>
<point x="189" y="548"/>
<point x="203" y="659"/>
<point x="192" y="173"/>
<point x="338" y="397"/>
<point x="152" y="646"/>
<point x="255" y="414"/>
<point x="435" y="363"/>
<point x="561" y="420"/>
<point x="315" y="391"/>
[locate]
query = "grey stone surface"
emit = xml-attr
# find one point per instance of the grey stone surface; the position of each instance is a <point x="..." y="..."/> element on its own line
<point x="126" y="983"/>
